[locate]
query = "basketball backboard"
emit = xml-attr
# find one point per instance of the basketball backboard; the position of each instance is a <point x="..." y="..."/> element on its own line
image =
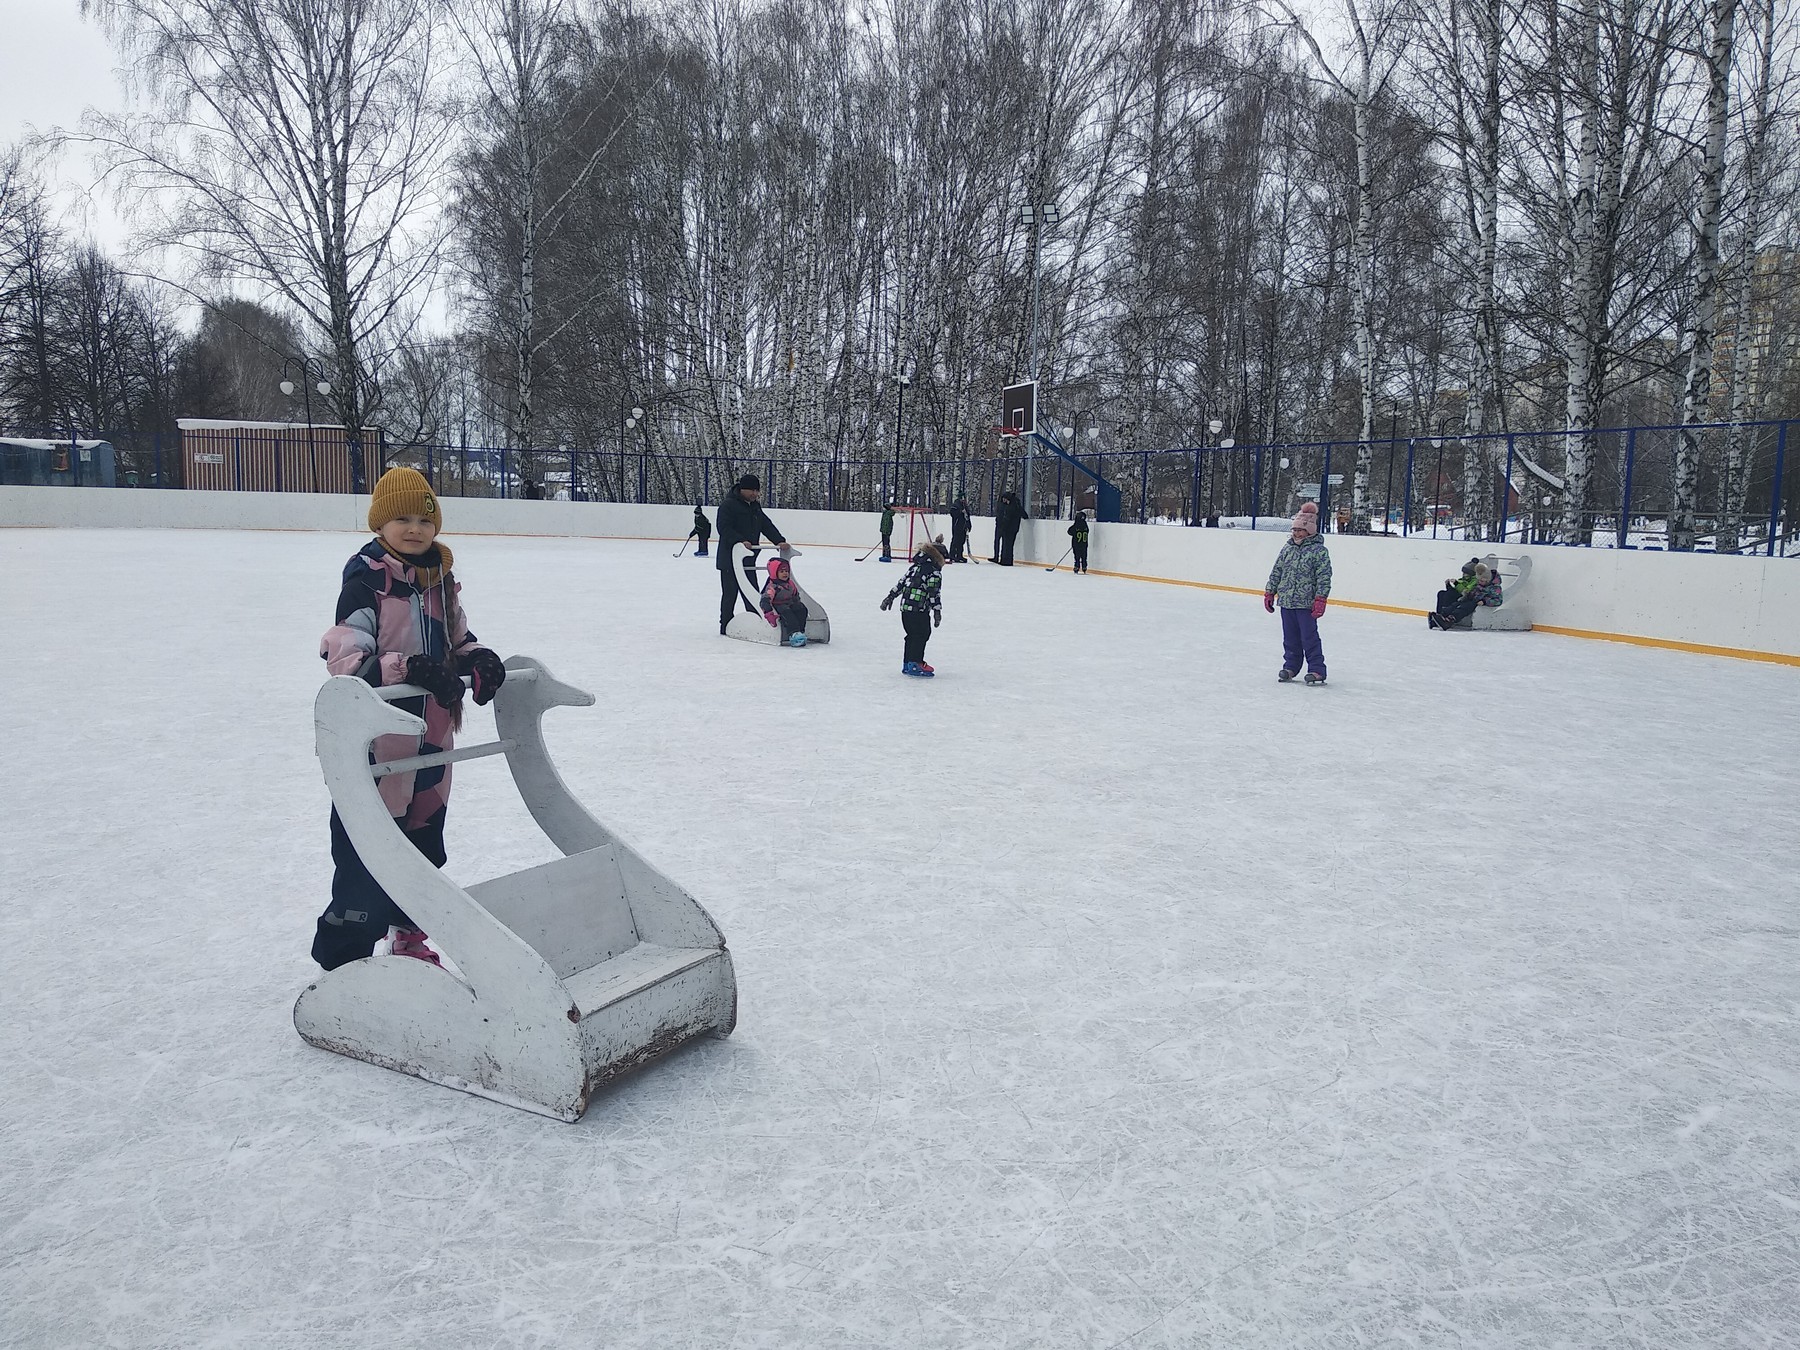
<point x="1018" y="408"/>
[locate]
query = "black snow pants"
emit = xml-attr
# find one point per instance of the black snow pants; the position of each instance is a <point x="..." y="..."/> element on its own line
<point x="361" y="912"/>
<point x="729" y="594"/>
<point x="1456" y="607"/>
<point x="1007" y="541"/>
<point x="959" y="542"/>
<point x="793" y="619"/>
<point x="1081" y="557"/>
<point x="917" y="624"/>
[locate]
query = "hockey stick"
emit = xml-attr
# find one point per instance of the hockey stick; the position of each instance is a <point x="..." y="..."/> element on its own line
<point x="1059" y="562"/>
<point x="865" y="556"/>
<point x="683" y="549"/>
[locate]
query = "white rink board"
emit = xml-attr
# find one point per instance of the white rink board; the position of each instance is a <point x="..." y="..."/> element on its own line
<point x="1749" y="604"/>
<point x="1100" y="992"/>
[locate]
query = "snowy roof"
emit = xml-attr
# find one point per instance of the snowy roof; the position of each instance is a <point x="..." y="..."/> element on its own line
<point x="1538" y="471"/>
<point x="220" y="424"/>
<point x="27" y="444"/>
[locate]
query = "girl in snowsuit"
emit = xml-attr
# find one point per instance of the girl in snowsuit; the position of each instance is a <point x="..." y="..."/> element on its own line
<point x="921" y="606"/>
<point x="1078" y="538"/>
<point x="399" y="622"/>
<point x="1300" y="583"/>
<point x="781" y="603"/>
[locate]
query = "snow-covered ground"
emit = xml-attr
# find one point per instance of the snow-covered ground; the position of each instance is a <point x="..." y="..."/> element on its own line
<point x="1100" y="993"/>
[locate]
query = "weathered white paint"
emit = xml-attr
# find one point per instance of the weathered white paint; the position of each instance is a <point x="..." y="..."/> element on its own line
<point x="1748" y="603"/>
<point x="566" y="975"/>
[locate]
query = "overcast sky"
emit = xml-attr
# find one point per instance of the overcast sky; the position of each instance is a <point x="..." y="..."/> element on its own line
<point x="53" y="65"/>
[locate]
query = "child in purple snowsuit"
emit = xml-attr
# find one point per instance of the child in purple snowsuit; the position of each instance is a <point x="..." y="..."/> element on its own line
<point x="1300" y="583"/>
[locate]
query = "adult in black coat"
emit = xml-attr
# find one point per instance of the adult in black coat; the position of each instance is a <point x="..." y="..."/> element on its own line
<point x="741" y="521"/>
<point x="959" y="529"/>
<point x="1007" y="519"/>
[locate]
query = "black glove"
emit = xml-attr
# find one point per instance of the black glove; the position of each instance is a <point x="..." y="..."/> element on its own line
<point x="487" y="672"/>
<point x="888" y="603"/>
<point x="436" y="679"/>
<point x="937" y="618"/>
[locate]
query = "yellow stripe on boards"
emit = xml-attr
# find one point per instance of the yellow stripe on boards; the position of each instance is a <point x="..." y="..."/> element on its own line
<point x="1592" y="635"/>
<point x="1670" y="644"/>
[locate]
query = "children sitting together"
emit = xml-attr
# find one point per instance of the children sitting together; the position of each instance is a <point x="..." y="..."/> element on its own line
<point x="1478" y="585"/>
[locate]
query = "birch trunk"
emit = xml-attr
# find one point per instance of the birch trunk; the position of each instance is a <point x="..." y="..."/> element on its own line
<point x="1697" y="397"/>
<point x="1362" y="297"/>
<point x="1587" y="299"/>
<point x="1744" y="378"/>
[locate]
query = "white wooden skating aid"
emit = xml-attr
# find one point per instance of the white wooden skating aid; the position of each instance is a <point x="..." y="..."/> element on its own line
<point x="754" y="627"/>
<point x="567" y="975"/>
<point x="1513" y="614"/>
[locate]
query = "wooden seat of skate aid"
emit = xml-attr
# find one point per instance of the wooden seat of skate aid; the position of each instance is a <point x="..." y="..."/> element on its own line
<point x="1513" y="613"/>
<point x="566" y="975"/>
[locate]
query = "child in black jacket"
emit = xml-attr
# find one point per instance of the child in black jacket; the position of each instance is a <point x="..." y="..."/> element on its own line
<point x="921" y="606"/>
<point x="1078" y="539"/>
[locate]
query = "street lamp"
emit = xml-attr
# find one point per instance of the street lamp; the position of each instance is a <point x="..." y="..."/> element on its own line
<point x="1213" y="427"/>
<point x="901" y="384"/>
<point x="304" y="388"/>
<point x="626" y="423"/>
<point x="1035" y="217"/>
<point x="1437" y="483"/>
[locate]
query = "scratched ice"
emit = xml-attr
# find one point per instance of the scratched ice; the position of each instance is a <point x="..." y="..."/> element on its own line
<point x="1100" y="993"/>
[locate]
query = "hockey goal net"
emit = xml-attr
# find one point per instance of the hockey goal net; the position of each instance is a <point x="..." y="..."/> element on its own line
<point x="914" y="526"/>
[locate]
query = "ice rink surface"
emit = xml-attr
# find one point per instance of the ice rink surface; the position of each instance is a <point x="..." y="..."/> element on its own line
<point x="1099" y="993"/>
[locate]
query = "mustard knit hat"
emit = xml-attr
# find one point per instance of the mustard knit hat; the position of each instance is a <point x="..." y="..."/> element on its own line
<point x="403" y="492"/>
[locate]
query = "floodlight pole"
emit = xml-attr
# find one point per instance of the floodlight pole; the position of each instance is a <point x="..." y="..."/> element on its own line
<point x="1036" y="216"/>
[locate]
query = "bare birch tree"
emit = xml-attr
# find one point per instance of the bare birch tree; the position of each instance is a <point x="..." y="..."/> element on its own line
<point x="1720" y="36"/>
<point x="1760" y="113"/>
<point x="1378" y="30"/>
<point x="293" y="147"/>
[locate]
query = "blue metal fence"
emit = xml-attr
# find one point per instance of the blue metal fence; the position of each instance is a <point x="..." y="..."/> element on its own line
<point x="1507" y="487"/>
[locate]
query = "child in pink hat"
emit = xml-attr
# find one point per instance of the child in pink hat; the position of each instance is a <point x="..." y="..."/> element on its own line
<point x="1299" y="584"/>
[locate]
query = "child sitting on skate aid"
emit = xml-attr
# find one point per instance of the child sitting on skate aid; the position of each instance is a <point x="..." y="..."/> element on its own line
<point x="781" y="603"/>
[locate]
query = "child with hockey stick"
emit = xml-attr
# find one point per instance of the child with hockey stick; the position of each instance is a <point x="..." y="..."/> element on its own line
<point x="1078" y="540"/>
<point x="921" y="606"/>
<point x="1300" y="583"/>
<point x="399" y="621"/>
<point x="702" y="530"/>
<point x="781" y="603"/>
<point x="887" y="533"/>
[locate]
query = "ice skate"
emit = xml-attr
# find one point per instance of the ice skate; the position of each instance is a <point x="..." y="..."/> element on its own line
<point x="1313" y="677"/>
<point x="913" y="668"/>
<point x="1284" y="674"/>
<point x="797" y="640"/>
<point x="926" y="667"/>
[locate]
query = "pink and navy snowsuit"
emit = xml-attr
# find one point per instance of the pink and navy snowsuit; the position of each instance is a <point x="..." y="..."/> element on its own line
<point x="781" y="600"/>
<point x="387" y="612"/>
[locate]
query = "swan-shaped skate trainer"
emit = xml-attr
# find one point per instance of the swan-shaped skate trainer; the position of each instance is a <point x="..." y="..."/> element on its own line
<point x="754" y="627"/>
<point x="567" y="975"/>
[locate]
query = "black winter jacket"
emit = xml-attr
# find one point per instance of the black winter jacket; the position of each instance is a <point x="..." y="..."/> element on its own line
<point x="742" y="522"/>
